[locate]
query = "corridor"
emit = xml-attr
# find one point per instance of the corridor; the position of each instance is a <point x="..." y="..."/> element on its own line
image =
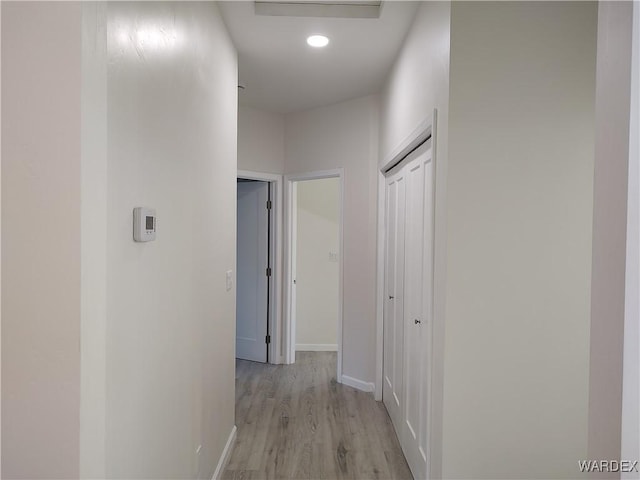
<point x="296" y="422"/>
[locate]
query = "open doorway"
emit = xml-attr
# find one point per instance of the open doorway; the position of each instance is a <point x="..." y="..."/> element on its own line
<point x="257" y="271"/>
<point x="253" y="271"/>
<point x="314" y="273"/>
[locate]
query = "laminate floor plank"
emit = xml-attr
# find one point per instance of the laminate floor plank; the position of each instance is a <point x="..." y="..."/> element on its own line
<point x="296" y="422"/>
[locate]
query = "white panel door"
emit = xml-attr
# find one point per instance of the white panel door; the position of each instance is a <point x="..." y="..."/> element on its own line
<point x="393" y="361"/>
<point x="252" y="280"/>
<point x="418" y="309"/>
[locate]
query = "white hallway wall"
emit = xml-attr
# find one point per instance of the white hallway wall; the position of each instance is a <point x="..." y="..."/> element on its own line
<point x="612" y="109"/>
<point x="93" y="234"/>
<point x="172" y="135"/>
<point x="40" y="273"/>
<point x="0" y="242"/>
<point x="631" y="387"/>
<point x="519" y="226"/>
<point x="316" y="273"/>
<point x="154" y="322"/>
<point x="260" y="141"/>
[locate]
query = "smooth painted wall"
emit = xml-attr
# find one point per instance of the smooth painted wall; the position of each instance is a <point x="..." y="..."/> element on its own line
<point x="609" y="228"/>
<point x="172" y="134"/>
<point x="630" y="444"/>
<point x="0" y="242"/>
<point x="418" y="81"/>
<point x="260" y="141"/>
<point x="520" y="206"/>
<point x="417" y="84"/>
<point x="344" y="135"/>
<point x="118" y="357"/>
<point x="93" y="240"/>
<point x="41" y="115"/>
<point x="317" y="266"/>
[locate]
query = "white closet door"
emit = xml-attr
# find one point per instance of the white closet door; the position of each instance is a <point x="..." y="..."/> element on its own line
<point x="393" y="357"/>
<point x="417" y="308"/>
<point x="408" y="304"/>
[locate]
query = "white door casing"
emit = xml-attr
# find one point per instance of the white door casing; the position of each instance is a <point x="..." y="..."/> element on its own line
<point x="294" y="265"/>
<point x="251" y="278"/>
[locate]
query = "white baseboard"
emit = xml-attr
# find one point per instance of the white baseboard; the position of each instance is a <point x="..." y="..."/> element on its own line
<point x="316" y="347"/>
<point x="359" y="384"/>
<point x="226" y="454"/>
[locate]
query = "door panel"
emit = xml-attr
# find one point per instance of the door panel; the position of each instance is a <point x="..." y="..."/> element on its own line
<point x="418" y="317"/>
<point x="413" y="299"/>
<point x="398" y="301"/>
<point x="388" y="319"/>
<point x="393" y="302"/>
<point x="389" y="287"/>
<point x="252" y="281"/>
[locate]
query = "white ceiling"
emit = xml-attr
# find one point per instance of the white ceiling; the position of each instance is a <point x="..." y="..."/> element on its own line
<point x="282" y="73"/>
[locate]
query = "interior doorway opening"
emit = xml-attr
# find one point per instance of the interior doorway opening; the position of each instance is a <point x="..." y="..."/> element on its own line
<point x="315" y="264"/>
<point x="314" y="258"/>
<point x="258" y="272"/>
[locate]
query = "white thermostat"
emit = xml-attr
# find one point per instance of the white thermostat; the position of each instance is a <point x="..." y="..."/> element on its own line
<point x="144" y="224"/>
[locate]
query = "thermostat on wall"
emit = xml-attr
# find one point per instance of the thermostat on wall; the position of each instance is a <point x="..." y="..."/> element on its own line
<point x="144" y="224"/>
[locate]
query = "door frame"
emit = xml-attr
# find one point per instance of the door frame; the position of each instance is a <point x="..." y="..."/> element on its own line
<point x="425" y="129"/>
<point x="290" y="241"/>
<point x="275" y="292"/>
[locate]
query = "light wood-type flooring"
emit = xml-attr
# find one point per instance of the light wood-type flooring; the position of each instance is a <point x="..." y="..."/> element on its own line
<point x="296" y="422"/>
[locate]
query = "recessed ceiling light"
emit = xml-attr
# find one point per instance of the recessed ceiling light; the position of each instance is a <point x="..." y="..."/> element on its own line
<point x="318" y="41"/>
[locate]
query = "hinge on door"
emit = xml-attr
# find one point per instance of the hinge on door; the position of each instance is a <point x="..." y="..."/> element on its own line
<point x="269" y="204"/>
<point x="268" y="271"/>
<point x="267" y="339"/>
